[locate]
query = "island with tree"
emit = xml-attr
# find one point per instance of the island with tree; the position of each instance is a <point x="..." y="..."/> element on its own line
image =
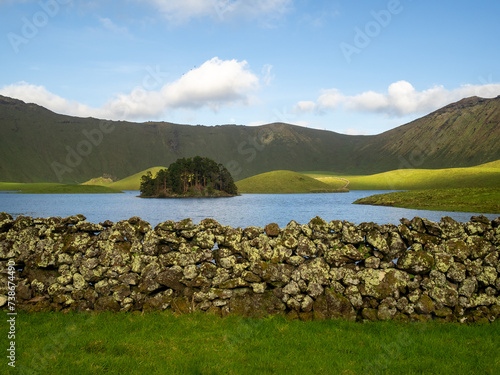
<point x="191" y="177"/>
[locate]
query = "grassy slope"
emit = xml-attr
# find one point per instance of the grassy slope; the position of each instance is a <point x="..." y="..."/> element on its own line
<point x="483" y="200"/>
<point x="133" y="182"/>
<point x="52" y="188"/>
<point x="486" y="175"/>
<point x="282" y="182"/>
<point x="32" y="138"/>
<point x="160" y="343"/>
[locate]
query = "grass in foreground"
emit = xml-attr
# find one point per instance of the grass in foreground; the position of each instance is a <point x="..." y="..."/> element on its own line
<point x="286" y="182"/>
<point x="482" y="200"/>
<point x="160" y="343"/>
<point x="52" y="188"/>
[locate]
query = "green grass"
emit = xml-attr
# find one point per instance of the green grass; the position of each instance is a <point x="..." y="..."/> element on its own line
<point x="52" y="188"/>
<point x="482" y="176"/>
<point x="160" y="343"/>
<point x="132" y="182"/>
<point x="284" y="182"/>
<point x="483" y="200"/>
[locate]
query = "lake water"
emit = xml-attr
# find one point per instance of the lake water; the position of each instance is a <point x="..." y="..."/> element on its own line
<point x="241" y="211"/>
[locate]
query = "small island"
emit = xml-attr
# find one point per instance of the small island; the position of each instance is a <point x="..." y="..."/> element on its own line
<point x="196" y="177"/>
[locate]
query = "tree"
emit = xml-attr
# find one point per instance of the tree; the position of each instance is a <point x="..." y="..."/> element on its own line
<point x="192" y="176"/>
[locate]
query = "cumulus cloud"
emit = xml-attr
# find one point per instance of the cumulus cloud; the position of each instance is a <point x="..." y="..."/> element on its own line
<point x="401" y="99"/>
<point x="178" y="11"/>
<point x="214" y="84"/>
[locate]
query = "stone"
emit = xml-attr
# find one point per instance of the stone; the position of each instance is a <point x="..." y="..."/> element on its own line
<point x="488" y="276"/>
<point x="425" y="305"/>
<point x="443" y="261"/>
<point x="457" y="272"/>
<point x="272" y="230"/>
<point x="314" y="290"/>
<point x="416" y="262"/>
<point x="106" y="303"/>
<point x="370" y="314"/>
<point x="444" y="295"/>
<point x="332" y="305"/>
<point x="351" y="235"/>
<point x="479" y="247"/>
<point x="457" y="248"/>
<point x="170" y="278"/>
<point x="378" y="241"/>
<point x="257" y="305"/>
<point x="386" y="312"/>
<point x="372" y="262"/>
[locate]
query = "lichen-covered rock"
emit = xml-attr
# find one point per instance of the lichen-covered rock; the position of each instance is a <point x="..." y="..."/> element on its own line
<point x="425" y="305"/>
<point x="315" y="270"/>
<point x="444" y="295"/>
<point x="378" y="241"/>
<point x="443" y="261"/>
<point x="257" y="305"/>
<point x="416" y="262"/>
<point x="457" y="272"/>
<point x="381" y="284"/>
<point x="332" y="305"/>
<point x="479" y="247"/>
<point x="350" y="234"/>
<point x="488" y="276"/>
<point x="317" y="224"/>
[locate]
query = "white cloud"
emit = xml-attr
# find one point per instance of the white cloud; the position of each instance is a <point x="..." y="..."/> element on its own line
<point x="178" y="11"/>
<point x="401" y="99"/>
<point x="108" y="24"/>
<point x="305" y="106"/>
<point x="41" y="96"/>
<point x="215" y="84"/>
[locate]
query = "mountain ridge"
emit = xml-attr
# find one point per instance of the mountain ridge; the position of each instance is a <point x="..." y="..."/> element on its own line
<point x="38" y="145"/>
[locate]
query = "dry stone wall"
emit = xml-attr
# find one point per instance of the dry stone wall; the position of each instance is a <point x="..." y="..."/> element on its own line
<point x="417" y="270"/>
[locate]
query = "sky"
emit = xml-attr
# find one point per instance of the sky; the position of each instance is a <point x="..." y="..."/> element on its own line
<point x="349" y="66"/>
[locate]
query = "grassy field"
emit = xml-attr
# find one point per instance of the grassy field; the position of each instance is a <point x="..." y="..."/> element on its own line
<point x="161" y="343"/>
<point x="132" y="182"/>
<point x="483" y="200"/>
<point x="52" y="188"/>
<point x="486" y="176"/>
<point x="286" y="182"/>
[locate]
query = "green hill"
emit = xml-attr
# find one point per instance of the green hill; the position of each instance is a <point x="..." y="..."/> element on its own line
<point x="133" y="182"/>
<point x="37" y="145"/>
<point x="482" y="176"/>
<point x="283" y="182"/>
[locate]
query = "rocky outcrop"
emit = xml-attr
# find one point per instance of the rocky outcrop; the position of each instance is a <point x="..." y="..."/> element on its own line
<point x="418" y="270"/>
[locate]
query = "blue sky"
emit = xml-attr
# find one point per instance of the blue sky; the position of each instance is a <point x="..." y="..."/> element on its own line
<point x="355" y="67"/>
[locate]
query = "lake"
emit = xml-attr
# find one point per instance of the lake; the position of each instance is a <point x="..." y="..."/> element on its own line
<point x="241" y="211"/>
